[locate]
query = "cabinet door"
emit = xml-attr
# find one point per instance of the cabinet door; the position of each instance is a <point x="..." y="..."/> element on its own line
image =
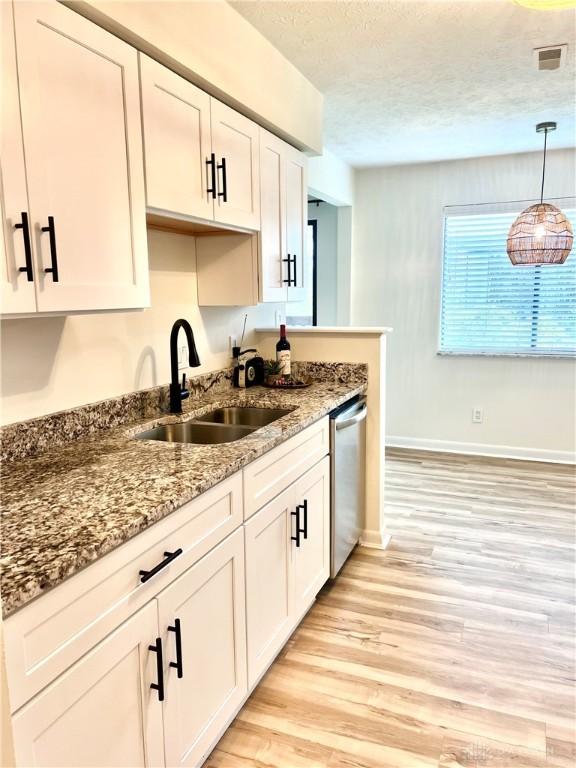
<point x="102" y="711"/>
<point x="311" y="559"/>
<point x="208" y="601"/>
<point x="296" y="222"/>
<point x="273" y="268"/>
<point x="268" y="583"/>
<point x="177" y="146"/>
<point x="236" y="146"/>
<point x="80" y="103"/>
<point x="17" y="287"/>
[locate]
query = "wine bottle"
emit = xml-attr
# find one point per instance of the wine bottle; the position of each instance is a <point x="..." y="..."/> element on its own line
<point x="283" y="352"/>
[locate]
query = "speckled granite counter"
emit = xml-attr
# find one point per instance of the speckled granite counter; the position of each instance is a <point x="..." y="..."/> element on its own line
<point x="69" y="505"/>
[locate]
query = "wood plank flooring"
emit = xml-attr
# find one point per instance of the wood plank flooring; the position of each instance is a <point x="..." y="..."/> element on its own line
<point x="454" y="648"/>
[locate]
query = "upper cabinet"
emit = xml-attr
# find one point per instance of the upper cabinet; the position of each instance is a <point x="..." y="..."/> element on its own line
<point x="283" y="194"/>
<point x="16" y="267"/>
<point x="177" y="146"/>
<point x="201" y="157"/>
<point x="84" y="232"/>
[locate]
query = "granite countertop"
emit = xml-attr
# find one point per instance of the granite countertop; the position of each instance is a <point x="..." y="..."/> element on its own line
<point x="70" y="505"/>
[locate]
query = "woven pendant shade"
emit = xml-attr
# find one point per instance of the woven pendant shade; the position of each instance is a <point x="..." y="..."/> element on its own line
<point x="540" y="235"/>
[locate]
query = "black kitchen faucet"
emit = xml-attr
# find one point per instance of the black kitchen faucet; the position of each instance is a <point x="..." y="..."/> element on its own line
<point x="178" y="392"/>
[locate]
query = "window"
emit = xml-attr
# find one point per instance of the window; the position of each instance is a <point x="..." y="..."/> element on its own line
<point x="490" y="306"/>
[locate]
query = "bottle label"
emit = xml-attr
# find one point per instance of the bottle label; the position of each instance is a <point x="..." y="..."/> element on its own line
<point x="283" y="357"/>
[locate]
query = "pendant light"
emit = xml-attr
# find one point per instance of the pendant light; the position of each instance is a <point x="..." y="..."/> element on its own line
<point x="541" y="234"/>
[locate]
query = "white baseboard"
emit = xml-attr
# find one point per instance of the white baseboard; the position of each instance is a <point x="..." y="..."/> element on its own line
<point x="482" y="449"/>
<point x="374" y="539"/>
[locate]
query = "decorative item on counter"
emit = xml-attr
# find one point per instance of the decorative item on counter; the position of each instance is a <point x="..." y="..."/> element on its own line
<point x="275" y="379"/>
<point x="248" y="365"/>
<point x="283" y="354"/>
<point x="541" y="234"/>
<point x="272" y="372"/>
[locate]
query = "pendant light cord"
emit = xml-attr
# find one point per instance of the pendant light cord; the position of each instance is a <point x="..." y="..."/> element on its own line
<point x="543" y="167"/>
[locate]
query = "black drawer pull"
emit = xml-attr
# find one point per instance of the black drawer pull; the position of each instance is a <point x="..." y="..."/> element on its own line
<point x="177" y="629"/>
<point x="159" y="686"/>
<point x="304" y="529"/>
<point x="53" y="270"/>
<point x="224" y="193"/>
<point x="23" y="225"/>
<point x="211" y="190"/>
<point x="289" y="262"/>
<point x="295" y="284"/>
<point x="169" y="556"/>
<point x="296" y="514"/>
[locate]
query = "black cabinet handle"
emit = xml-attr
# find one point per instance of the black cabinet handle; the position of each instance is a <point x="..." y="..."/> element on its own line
<point x="295" y="271"/>
<point x="159" y="686"/>
<point x="23" y="225"/>
<point x="211" y="190"/>
<point x="178" y="632"/>
<point x="53" y="255"/>
<point x="145" y="575"/>
<point x="289" y="262"/>
<point x="222" y="167"/>
<point x="296" y="514"/>
<point x="304" y="507"/>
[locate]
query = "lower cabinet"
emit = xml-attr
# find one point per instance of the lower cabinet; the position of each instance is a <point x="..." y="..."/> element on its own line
<point x="311" y="550"/>
<point x="202" y="616"/>
<point x="268" y="582"/>
<point x="102" y="711"/>
<point x="161" y="688"/>
<point x="287" y="562"/>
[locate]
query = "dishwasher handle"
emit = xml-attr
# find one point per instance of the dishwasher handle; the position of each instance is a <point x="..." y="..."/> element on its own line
<point x="356" y="419"/>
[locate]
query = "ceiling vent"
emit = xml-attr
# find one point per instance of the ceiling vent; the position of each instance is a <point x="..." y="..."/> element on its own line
<point x="550" y="58"/>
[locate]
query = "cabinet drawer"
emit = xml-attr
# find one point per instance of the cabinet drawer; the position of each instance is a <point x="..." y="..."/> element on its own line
<point x="266" y="477"/>
<point x="50" y="634"/>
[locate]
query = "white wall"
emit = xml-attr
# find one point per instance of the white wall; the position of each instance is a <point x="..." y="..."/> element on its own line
<point x="331" y="179"/>
<point x="49" y="364"/>
<point x="529" y="404"/>
<point x="211" y="44"/>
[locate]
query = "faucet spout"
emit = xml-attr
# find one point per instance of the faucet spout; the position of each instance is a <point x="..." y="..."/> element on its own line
<point x="177" y="393"/>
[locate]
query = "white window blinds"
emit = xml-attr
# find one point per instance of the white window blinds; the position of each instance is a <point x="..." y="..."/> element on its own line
<point x="490" y="306"/>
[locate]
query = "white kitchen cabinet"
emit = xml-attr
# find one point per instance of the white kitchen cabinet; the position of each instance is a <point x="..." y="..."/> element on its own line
<point x="268" y="583"/>
<point x="273" y="259"/>
<point x="296" y="222"/>
<point x="235" y="143"/>
<point x="102" y="711"/>
<point x="81" y="127"/>
<point x="177" y="143"/>
<point x="311" y="552"/>
<point x="201" y="157"/>
<point x="283" y="194"/>
<point x="287" y="562"/>
<point x="208" y="603"/>
<point x="16" y="267"/>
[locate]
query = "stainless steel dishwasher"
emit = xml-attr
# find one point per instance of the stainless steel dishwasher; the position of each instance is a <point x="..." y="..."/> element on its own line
<point x="348" y="473"/>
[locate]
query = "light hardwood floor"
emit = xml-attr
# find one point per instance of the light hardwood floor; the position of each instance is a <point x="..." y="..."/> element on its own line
<point x="455" y="647"/>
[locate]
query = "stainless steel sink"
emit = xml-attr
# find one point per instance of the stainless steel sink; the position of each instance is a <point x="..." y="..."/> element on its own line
<point x="237" y="415"/>
<point x="194" y="432"/>
<point x="223" y="425"/>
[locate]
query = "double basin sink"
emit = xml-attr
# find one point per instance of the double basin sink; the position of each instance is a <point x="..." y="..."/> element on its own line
<point x="223" y="425"/>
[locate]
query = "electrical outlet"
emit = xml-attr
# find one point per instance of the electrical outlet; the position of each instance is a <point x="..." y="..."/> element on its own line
<point x="477" y="415"/>
<point x="231" y="343"/>
<point x="183" y="356"/>
<point x="278" y="317"/>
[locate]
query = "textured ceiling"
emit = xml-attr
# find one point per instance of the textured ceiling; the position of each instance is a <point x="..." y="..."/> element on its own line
<point x="412" y="81"/>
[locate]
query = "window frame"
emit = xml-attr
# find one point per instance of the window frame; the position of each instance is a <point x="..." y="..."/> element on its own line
<point x="489" y="208"/>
